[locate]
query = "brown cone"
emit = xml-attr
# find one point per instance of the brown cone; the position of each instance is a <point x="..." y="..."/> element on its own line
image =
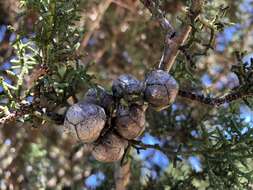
<point x="110" y="149"/>
<point x="85" y="121"/>
<point x="161" y="89"/>
<point x="130" y="121"/>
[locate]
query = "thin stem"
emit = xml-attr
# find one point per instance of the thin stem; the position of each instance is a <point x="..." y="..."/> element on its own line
<point x="214" y="101"/>
<point x="141" y="146"/>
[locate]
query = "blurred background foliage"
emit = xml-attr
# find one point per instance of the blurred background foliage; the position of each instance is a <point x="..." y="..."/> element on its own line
<point x="52" y="51"/>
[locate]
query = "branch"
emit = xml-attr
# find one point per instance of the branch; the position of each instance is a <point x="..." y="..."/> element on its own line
<point x="214" y="101"/>
<point x="172" y="44"/>
<point x="173" y="40"/>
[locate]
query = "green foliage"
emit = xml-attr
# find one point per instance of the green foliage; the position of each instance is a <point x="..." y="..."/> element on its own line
<point x="227" y="152"/>
<point x="49" y="57"/>
<point x="22" y="64"/>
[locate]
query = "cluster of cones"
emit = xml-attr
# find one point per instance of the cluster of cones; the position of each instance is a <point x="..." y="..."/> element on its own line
<point x="107" y="121"/>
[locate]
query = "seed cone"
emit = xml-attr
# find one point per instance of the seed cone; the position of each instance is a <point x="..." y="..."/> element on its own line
<point x="110" y="149"/>
<point x="100" y="97"/>
<point x="161" y="89"/>
<point x="85" y="121"/>
<point x="130" y="121"/>
<point x="127" y="86"/>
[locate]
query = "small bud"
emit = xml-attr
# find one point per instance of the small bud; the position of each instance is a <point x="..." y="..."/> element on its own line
<point x="127" y="86"/>
<point x="161" y="89"/>
<point x="130" y="121"/>
<point x="100" y="97"/>
<point x="85" y="121"/>
<point x="110" y="149"/>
